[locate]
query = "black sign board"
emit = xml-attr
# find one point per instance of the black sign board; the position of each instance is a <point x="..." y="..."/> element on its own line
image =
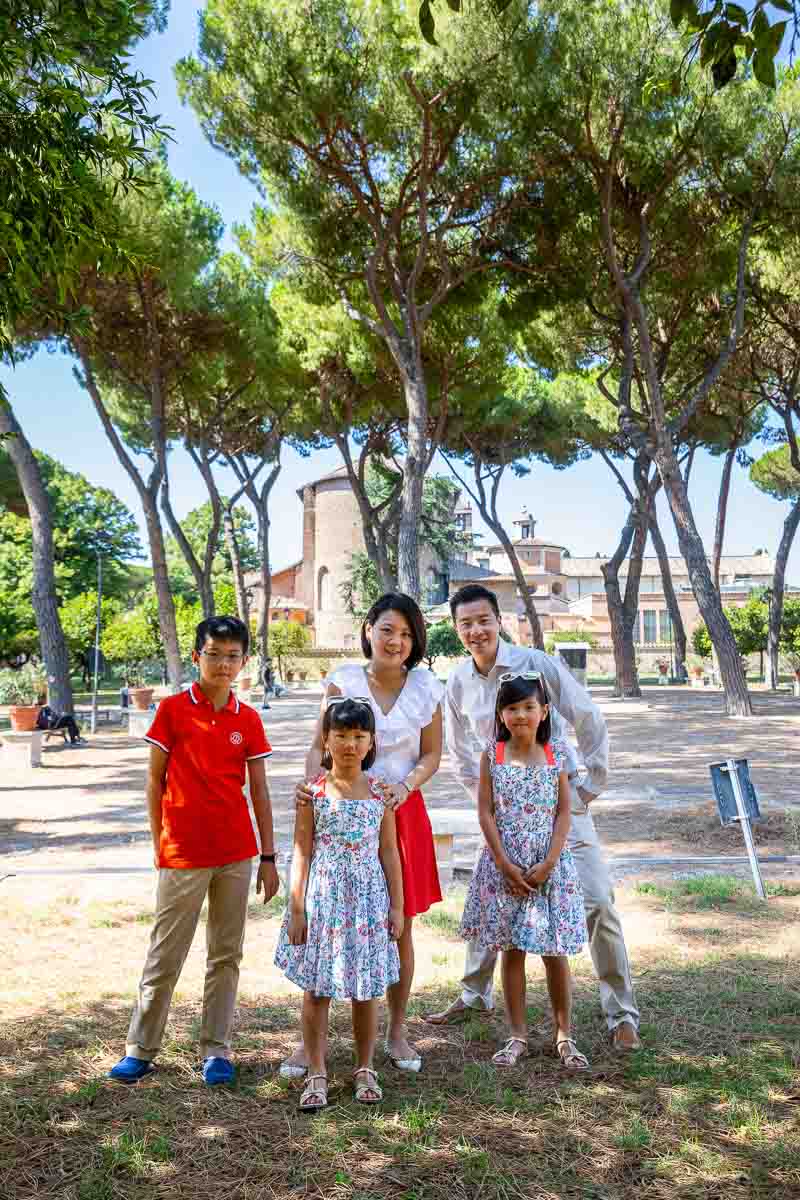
<point x="723" y="791"/>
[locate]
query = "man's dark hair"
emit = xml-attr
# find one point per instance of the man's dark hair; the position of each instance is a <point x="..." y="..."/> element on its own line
<point x="400" y="603"/>
<point x="228" y="629"/>
<point x="471" y="592"/>
<point x="349" y="714"/>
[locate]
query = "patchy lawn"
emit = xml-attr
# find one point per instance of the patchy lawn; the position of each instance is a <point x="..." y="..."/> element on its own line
<point x="710" y="1109"/>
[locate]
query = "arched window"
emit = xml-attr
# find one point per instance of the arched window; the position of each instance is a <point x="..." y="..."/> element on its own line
<point x="323" y="589"/>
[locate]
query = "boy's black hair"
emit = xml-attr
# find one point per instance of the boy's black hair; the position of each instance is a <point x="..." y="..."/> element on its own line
<point x="471" y="592"/>
<point x="400" y="603"/>
<point x="511" y="692"/>
<point x="349" y="715"/>
<point x="228" y="629"/>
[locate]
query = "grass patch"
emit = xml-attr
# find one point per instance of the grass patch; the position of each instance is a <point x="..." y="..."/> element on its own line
<point x="706" y="1111"/>
<point x="710" y="891"/>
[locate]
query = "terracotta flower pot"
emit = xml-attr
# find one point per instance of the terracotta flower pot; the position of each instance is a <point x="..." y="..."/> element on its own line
<point x="23" y="717"/>
<point x="245" y="682"/>
<point x="142" y="698"/>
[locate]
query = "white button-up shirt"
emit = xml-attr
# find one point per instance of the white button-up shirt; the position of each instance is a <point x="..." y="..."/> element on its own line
<point x="470" y="710"/>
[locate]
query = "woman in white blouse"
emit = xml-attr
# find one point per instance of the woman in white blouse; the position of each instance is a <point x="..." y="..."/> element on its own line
<point x="406" y="701"/>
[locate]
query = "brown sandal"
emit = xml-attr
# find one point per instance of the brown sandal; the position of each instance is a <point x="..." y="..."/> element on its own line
<point x="570" y="1055"/>
<point x="506" y="1057"/>
<point x="314" y="1097"/>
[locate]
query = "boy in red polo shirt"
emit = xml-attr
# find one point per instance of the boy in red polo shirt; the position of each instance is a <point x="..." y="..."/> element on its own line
<point x="201" y="741"/>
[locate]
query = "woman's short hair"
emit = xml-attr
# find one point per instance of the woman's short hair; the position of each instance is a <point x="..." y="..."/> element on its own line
<point x="512" y="692"/>
<point x="349" y="714"/>
<point x="400" y="603"/>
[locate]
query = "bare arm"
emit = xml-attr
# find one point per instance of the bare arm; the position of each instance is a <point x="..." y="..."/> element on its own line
<point x="301" y="861"/>
<point x="156" y="782"/>
<point x="262" y="810"/>
<point x="513" y="874"/>
<point x="390" y="861"/>
<point x="430" y="756"/>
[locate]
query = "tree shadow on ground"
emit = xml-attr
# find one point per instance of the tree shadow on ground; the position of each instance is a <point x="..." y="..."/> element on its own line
<point x="708" y="1109"/>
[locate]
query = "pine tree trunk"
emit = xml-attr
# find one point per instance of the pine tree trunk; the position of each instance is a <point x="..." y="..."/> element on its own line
<point x="623" y="612"/>
<point x="232" y="545"/>
<point x="675" y="615"/>
<point x="43" y="593"/>
<point x="413" y="479"/>
<point x="148" y="491"/>
<point x="260" y="500"/>
<point x="778" y="587"/>
<point x="722" y="513"/>
<point x="200" y="573"/>
<point x="737" y="697"/>
<point x="535" y="625"/>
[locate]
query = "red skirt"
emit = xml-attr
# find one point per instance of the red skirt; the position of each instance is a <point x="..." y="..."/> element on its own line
<point x="417" y="856"/>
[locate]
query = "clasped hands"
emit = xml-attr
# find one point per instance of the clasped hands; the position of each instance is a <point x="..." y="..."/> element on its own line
<point x="524" y="883"/>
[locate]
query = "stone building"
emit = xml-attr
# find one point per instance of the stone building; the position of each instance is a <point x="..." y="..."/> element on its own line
<point x="568" y="592"/>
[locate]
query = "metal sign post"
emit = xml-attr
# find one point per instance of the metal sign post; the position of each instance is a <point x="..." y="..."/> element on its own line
<point x="737" y="802"/>
<point x="744" y="821"/>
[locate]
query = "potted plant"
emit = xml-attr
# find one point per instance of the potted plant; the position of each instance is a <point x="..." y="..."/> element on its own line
<point x="663" y="666"/>
<point x="21" y="689"/>
<point x="141" y="695"/>
<point x="323" y="666"/>
<point x="303" y="673"/>
<point x="697" y="667"/>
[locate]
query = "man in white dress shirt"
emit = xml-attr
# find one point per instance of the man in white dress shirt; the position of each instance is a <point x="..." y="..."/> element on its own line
<point x="469" y="717"/>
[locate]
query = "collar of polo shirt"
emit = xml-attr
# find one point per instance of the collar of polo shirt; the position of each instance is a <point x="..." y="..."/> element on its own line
<point x="198" y="696"/>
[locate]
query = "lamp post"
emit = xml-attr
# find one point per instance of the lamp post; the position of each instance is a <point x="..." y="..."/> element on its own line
<point x="93" y="725"/>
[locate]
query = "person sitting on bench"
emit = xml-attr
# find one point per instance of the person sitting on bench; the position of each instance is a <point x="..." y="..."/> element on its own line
<point x="53" y="722"/>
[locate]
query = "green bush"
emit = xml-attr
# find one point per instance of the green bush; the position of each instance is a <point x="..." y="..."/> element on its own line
<point x="21" y="687"/>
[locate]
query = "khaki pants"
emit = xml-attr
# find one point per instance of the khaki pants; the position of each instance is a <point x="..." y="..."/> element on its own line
<point x="606" y="939"/>
<point x="178" y="904"/>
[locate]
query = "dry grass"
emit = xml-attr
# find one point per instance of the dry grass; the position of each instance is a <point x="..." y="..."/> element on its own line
<point x="709" y="1109"/>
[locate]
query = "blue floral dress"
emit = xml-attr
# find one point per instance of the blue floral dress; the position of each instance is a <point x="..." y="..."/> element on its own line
<point x="348" y="953"/>
<point x="552" y="920"/>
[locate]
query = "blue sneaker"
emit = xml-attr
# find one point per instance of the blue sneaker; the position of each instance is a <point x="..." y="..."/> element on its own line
<point x="130" y="1070"/>
<point x="217" y="1071"/>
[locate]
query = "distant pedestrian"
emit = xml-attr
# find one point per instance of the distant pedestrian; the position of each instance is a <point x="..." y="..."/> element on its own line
<point x="50" y="720"/>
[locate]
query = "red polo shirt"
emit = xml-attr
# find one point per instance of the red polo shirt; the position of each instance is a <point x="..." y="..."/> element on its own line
<point x="205" y="818"/>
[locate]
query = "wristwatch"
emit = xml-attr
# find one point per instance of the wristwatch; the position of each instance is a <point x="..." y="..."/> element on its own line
<point x="269" y="858"/>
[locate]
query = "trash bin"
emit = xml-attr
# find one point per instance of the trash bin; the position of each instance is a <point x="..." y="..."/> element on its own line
<point x="574" y="656"/>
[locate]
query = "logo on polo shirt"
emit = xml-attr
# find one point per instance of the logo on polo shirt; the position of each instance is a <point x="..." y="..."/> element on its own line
<point x="236" y="739"/>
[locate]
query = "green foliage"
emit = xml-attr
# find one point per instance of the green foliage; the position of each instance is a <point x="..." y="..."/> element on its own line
<point x="362" y="587"/>
<point x="196" y="526"/>
<point x="287" y="641"/>
<point x="78" y="617"/>
<point x="73" y="118"/>
<point x="443" y="642"/>
<point x="748" y="623"/>
<point x="774" y="474"/>
<point x="132" y="639"/>
<point x="21" y="687"/>
<point x="555" y="636"/>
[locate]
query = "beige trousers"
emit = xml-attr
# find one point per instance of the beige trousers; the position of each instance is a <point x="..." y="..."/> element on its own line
<point x="179" y="901"/>
<point x="606" y="939"/>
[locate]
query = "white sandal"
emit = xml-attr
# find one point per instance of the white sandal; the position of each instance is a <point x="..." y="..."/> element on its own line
<point x="506" y="1056"/>
<point x="314" y="1097"/>
<point x="571" y="1057"/>
<point x="371" y="1085"/>
<point x="403" y="1064"/>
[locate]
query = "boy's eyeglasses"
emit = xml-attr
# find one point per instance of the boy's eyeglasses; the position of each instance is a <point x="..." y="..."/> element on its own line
<point x="362" y="700"/>
<point x="507" y="676"/>
<point x="213" y="657"/>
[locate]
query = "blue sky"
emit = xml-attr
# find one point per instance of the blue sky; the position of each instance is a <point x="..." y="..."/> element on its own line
<point x="582" y="507"/>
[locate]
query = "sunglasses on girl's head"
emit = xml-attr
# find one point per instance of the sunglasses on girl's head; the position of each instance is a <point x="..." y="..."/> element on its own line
<point x="509" y="675"/>
<point x="362" y="700"/>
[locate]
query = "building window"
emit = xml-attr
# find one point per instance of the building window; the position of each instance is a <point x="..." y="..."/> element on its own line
<point x="484" y="563"/>
<point x="664" y="626"/>
<point x="323" y="589"/>
<point x="649" y="626"/>
<point x="526" y="531"/>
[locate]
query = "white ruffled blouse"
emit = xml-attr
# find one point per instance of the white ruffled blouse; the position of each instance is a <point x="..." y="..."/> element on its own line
<point x="397" y="732"/>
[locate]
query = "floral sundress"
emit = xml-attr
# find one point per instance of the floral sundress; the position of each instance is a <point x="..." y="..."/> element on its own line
<point x="348" y="953"/>
<point x="552" y="920"/>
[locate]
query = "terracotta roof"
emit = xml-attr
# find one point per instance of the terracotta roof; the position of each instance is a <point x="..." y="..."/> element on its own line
<point x="745" y="565"/>
<point x="253" y="577"/>
<point x="339" y="473"/>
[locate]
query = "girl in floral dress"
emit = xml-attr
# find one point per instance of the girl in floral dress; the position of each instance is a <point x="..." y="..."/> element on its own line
<point x="525" y="896"/>
<point x="339" y="932"/>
